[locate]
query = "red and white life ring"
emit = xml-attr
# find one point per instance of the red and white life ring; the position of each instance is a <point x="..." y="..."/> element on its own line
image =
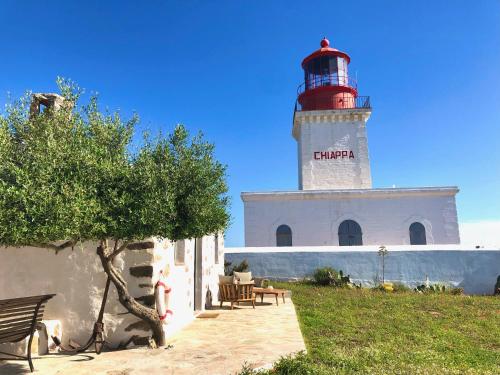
<point x="162" y="297"/>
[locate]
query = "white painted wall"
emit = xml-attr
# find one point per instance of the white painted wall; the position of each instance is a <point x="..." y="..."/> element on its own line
<point x="77" y="278"/>
<point x="332" y="130"/>
<point x="474" y="270"/>
<point x="383" y="214"/>
<point x="212" y="270"/>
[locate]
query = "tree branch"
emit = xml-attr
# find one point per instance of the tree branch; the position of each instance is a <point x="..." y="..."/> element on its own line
<point x="117" y="250"/>
<point x="57" y="248"/>
<point x="150" y="315"/>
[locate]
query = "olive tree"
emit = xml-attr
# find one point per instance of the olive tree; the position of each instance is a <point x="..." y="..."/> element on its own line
<point x="74" y="174"/>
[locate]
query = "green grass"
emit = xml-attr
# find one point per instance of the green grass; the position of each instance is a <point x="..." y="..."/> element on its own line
<point x="363" y="331"/>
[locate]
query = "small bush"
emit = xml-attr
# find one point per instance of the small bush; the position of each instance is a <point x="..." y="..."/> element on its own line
<point x="242" y="267"/>
<point x="457" y="291"/>
<point x="330" y="276"/>
<point x="378" y="287"/>
<point x="325" y="276"/>
<point x="433" y="288"/>
<point x="247" y="370"/>
<point x="400" y="287"/>
<point x="299" y="364"/>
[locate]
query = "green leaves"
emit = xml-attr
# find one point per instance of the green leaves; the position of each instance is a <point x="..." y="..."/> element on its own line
<point x="184" y="186"/>
<point x="71" y="175"/>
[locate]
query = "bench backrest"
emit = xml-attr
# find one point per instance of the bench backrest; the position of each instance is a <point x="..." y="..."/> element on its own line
<point x="20" y="316"/>
<point x="228" y="292"/>
<point x="245" y="291"/>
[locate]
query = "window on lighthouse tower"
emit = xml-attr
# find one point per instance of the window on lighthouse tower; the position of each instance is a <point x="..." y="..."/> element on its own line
<point x="283" y="236"/>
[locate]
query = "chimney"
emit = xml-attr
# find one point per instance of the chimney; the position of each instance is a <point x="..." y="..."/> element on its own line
<point x="49" y="100"/>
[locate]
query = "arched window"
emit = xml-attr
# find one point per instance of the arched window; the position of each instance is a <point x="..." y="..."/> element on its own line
<point x="283" y="236"/>
<point x="350" y="234"/>
<point x="417" y="234"/>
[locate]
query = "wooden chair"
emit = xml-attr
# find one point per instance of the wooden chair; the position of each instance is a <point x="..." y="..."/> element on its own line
<point x="19" y="318"/>
<point x="236" y="293"/>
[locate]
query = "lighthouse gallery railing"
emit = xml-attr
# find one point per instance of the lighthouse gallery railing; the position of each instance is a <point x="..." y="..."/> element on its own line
<point x="346" y="102"/>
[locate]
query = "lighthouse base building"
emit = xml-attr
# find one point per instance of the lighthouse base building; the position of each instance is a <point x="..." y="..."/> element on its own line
<point x="336" y="204"/>
<point x="383" y="217"/>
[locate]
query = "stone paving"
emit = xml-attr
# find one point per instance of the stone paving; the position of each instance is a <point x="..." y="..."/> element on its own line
<point x="210" y="346"/>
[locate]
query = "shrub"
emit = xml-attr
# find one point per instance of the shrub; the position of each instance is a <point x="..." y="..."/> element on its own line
<point x="326" y="276"/>
<point x="242" y="267"/>
<point x="299" y="364"/>
<point x="457" y="291"/>
<point x="400" y="287"/>
<point x="346" y="280"/>
<point x="247" y="370"/>
<point x="378" y="287"/>
<point x="438" y="288"/>
<point x="330" y="276"/>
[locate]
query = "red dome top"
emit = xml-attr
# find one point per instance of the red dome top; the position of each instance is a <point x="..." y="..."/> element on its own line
<point x="326" y="50"/>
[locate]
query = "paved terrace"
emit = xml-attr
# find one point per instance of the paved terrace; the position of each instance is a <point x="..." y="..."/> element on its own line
<point x="207" y="346"/>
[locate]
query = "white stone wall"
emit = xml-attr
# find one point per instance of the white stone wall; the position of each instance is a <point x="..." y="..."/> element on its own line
<point x="474" y="270"/>
<point x="383" y="214"/>
<point x="332" y="131"/>
<point x="77" y="278"/>
<point x="211" y="270"/>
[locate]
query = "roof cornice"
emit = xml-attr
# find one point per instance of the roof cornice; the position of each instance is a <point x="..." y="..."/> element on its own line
<point x="329" y="116"/>
<point x="349" y="194"/>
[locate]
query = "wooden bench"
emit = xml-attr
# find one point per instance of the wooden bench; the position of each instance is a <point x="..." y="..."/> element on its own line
<point x="19" y="318"/>
<point x="236" y="293"/>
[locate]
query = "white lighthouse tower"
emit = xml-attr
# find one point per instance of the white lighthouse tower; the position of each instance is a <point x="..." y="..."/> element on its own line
<point x="330" y="124"/>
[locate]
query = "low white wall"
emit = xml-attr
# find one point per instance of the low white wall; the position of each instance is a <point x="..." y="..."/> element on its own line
<point x="474" y="270"/>
<point x="77" y="279"/>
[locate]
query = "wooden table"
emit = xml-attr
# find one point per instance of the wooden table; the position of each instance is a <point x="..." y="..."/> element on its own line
<point x="276" y="292"/>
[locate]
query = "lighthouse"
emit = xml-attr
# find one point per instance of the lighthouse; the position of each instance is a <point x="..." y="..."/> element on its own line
<point x="329" y="124"/>
<point x="335" y="204"/>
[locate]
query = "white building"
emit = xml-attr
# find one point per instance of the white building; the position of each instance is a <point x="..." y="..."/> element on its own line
<point x="191" y="267"/>
<point x="336" y="204"/>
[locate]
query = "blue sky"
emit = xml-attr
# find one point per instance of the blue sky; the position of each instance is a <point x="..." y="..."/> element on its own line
<point x="231" y="69"/>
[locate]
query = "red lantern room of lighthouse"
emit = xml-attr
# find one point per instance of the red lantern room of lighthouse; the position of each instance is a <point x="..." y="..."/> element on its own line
<point x="327" y="84"/>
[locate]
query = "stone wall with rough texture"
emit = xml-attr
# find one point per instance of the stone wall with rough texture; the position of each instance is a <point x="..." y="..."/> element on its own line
<point x="77" y="278"/>
<point x="474" y="270"/>
<point x="384" y="215"/>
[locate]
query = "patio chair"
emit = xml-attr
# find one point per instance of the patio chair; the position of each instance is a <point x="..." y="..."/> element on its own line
<point x="236" y="293"/>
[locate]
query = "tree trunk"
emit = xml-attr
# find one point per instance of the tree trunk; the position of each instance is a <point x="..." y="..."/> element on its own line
<point x="147" y="314"/>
